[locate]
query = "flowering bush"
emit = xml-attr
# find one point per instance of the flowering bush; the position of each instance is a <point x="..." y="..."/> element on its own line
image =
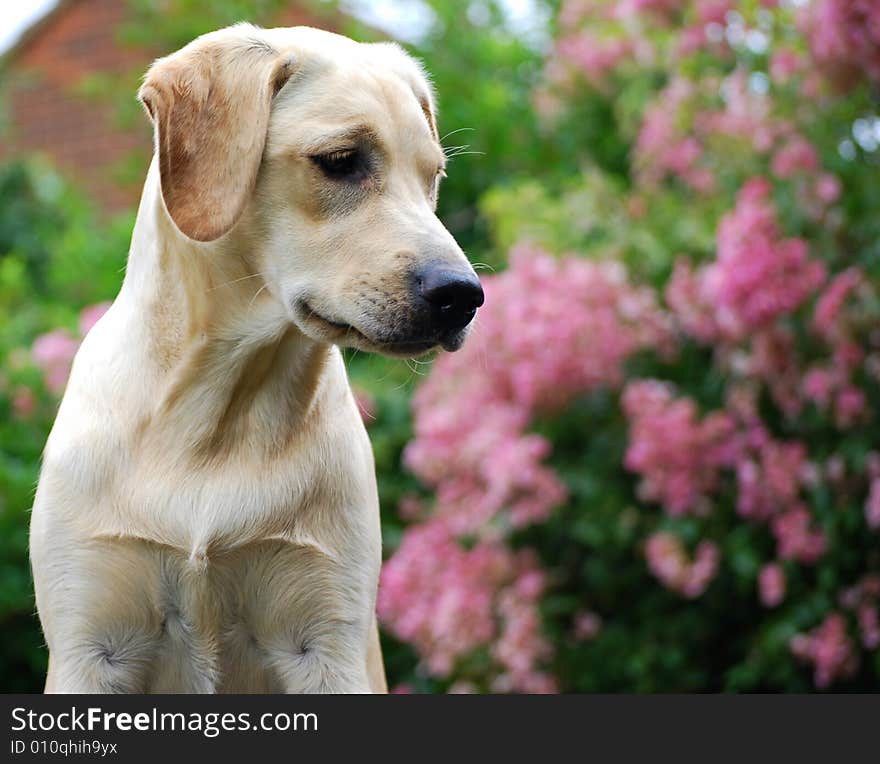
<point x="654" y="465"/>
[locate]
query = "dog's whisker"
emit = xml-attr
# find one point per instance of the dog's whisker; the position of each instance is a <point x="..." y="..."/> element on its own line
<point x="413" y="369"/>
<point x="253" y="299"/>
<point x="453" y="132"/>
<point x="235" y="281"/>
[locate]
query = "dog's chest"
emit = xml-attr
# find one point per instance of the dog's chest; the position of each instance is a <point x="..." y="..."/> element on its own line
<point x="206" y="511"/>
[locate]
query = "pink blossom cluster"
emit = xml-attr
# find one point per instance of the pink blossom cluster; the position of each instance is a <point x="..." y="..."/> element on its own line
<point x="844" y="38"/>
<point x="663" y="149"/>
<point x="863" y="599"/>
<point x="785" y="63"/>
<point x="53" y="351"/>
<point x="769" y="473"/>
<point x="447" y="601"/>
<point x="589" y="55"/>
<point x="573" y="13"/>
<point x="455" y="585"/>
<point x="744" y="115"/>
<point x="773" y="359"/>
<point x="796" y="536"/>
<point x="829" y="320"/>
<point x="678" y="455"/>
<point x="872" y="505"/>
<point x="472" y="446"/>
<point x="759" y="275"/>
<point x="681" y="459"/>
<point x="771" y="585"/>
<point x="669" y="562"/>
<point x="689" y="295"/>
<point x="694" y="36"/>
<point x="829" y="648"/>
<point x="681" y="126"/>
<point x="797" y="155"/>
<point x="657" y="10"/>
<point x="587" y="625"/>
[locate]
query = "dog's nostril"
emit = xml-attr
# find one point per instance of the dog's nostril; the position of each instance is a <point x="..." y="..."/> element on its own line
<point x="454" y="295"/>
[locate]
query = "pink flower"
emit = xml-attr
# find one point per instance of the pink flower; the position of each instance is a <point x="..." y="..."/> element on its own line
<point x="827" y="188"/>
<point x="758" y="275"/>
<point x="366" y="405"/>
<point x="669" y="562"/>
<point x="90" y="315"/>
<point x="829" y="307"/>
<point x="819" y="383"/>
<point x="830" y="650"/>
<point x="662" y="149"/>
<point x="448" y="601"/>
<point x="796" y="156"/>
<point x="769" y="474"/>
<point x="592" y="57"/>
<point x="849" y="406"/>
<point x="690" y="298"/>
<point x="472" y="446"/>
<point x="774" y="361"/>
<point x="659" y="9"/>
<point x="678" y="455"/>
<point x="53" y="352"/>
<point x="713" y="11"/>
<point x="872" y="505"/>
<point x="795" y="539"/>
<point x="472" y="413"/>
<point x="587" y="625"/>
<point x="869" y="625"/>
<point x="771" y="585"/>
<point x="844" y="37"/>
<point x="784" y="64"/>
<point x="745" y="116"/>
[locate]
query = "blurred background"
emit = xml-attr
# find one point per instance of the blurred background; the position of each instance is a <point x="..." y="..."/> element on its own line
<point x="655" y="466"/>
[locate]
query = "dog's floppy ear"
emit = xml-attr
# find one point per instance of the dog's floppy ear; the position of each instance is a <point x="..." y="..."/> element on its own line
<point x="209" y="104"/>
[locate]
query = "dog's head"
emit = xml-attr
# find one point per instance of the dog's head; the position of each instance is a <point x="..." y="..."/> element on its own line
<point x="321" y="156"/>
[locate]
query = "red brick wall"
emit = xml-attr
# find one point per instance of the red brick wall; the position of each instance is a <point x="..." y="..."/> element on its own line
<point x="47" y="114"/>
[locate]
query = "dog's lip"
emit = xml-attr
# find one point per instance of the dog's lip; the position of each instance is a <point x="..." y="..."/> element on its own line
<point x="344" y="331"/>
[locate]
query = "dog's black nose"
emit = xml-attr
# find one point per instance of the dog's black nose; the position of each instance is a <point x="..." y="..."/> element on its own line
<point x="454" y="296"/>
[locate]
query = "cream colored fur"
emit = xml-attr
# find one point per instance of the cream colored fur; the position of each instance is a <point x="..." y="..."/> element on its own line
<point x="207" y="517"/>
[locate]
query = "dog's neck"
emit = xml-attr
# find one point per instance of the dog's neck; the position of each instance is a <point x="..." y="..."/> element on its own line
<point x="230" y="366"/>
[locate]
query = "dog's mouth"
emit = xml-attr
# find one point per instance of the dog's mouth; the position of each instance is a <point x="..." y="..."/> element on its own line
<point x="348" y="335"/>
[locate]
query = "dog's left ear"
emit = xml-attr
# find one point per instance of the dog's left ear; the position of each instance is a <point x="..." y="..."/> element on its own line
<point x="210" y="104"/>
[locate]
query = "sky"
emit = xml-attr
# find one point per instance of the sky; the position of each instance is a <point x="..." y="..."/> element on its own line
<point x="15" y="17"/>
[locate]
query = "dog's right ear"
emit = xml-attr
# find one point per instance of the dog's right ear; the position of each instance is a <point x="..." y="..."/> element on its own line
<point x="210" y="104"/>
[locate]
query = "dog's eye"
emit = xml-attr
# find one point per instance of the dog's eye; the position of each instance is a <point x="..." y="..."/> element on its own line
<point x="347" y="164"/>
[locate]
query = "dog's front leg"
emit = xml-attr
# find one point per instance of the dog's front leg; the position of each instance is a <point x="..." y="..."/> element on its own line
<point x="328" y="659"/>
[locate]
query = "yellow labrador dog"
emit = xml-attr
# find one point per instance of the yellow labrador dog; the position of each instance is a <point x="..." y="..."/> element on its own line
<point x="207" y="518"/>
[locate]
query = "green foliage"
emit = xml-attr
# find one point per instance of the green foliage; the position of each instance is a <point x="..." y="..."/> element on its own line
<point x="55" y="258"/>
